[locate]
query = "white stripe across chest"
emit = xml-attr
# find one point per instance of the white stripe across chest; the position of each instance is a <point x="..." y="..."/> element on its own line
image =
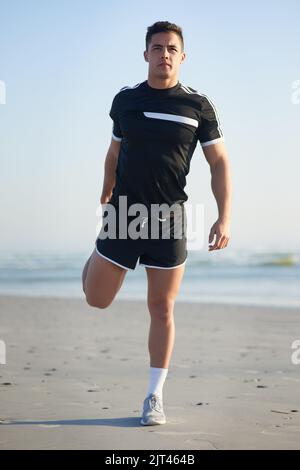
<point x="172" y="117"/>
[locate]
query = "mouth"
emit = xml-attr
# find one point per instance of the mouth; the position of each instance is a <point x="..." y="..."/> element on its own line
<point x="164" y="65"/>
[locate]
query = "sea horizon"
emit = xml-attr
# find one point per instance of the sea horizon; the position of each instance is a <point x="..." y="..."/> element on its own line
<point x="246" y="277"/>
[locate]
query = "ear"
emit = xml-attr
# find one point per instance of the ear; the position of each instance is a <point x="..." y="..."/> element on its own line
<point x="146" y="56"/>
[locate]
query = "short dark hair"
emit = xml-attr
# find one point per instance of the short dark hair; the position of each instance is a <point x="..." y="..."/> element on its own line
<point x="163" y="27"/>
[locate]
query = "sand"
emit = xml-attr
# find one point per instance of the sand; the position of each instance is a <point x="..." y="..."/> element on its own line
<point x="75" y="377"/>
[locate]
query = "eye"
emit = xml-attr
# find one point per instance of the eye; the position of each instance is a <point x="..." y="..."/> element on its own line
<point x="173" y="48"/>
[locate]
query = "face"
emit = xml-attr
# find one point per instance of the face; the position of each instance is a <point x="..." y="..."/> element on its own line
<point x="164" y="55"/>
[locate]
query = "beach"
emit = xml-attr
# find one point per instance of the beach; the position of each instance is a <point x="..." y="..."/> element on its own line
<point x="75" y="376"/>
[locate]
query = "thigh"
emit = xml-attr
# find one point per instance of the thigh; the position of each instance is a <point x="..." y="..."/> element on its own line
<point x="103" y="280"/>
<point x="163" y="284"/>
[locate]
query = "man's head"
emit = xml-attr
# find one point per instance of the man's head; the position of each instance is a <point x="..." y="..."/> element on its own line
<point x="164" y="45"/>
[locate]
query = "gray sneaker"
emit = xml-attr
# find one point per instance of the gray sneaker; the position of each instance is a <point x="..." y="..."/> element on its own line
<point x="153" y="412"/>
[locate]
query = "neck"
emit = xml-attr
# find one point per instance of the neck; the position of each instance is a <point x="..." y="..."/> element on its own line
<point x="162" y="83"/>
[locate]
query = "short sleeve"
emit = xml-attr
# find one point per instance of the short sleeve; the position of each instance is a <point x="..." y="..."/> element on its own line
<point x="114" y="114"/>
<point x="209" y="130"/>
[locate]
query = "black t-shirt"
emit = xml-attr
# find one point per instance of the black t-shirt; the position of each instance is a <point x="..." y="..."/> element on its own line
<point x="159" y="130"/>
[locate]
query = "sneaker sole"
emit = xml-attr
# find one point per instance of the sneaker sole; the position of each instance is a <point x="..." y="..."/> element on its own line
<point x="152" y="423"/>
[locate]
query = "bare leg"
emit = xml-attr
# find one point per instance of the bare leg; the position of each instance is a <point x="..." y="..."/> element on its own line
<point x="84" y="273"/>
<point x="101" y="280"/>
<point x="163" y="286"/>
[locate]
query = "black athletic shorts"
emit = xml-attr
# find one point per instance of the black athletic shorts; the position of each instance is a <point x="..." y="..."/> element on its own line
<point x="168" y="250"/>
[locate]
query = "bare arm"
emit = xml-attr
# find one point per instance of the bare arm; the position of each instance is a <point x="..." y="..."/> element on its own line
<point x="221" y="185"/>
<point x="110" y="166"/>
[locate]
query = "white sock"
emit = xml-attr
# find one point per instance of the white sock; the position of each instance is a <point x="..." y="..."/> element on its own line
<point x="157" y="379"/>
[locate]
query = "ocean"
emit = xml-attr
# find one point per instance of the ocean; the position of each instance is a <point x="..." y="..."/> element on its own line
<point x="224" y="276"/>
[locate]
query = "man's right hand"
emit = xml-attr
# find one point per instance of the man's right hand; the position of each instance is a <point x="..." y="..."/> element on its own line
<point x="105" y="198"/>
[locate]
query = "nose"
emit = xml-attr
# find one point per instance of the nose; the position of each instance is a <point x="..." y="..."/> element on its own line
<point x="165" y="52"/>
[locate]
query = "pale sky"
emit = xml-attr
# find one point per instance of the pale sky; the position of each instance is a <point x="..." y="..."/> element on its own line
<point x="63" y="61"/>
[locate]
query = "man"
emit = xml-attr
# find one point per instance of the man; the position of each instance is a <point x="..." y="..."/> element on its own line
<point x="156" y="126"/>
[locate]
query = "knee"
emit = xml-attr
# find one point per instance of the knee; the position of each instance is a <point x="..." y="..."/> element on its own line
<point x="94" y="301"/>
<point x="161" y="309"/>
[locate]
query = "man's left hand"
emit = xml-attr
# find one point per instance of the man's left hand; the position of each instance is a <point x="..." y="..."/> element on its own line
<point x="222" y="231"/>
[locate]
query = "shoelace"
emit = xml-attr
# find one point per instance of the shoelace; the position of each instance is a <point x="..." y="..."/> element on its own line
<point x="155" y="405"/>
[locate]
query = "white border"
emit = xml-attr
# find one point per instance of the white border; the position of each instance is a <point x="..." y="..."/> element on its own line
<point x="114" y="262"/>
<point x="118" y="139"/>
<point x="210" y="142"/>
<point x="160" y="267"/>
